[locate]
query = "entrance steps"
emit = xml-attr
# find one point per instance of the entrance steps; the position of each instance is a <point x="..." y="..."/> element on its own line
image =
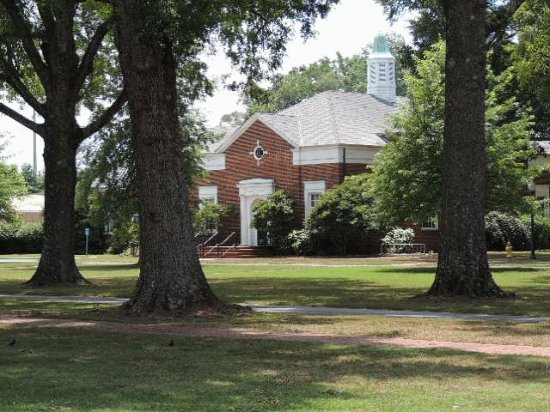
<point x="239" y="252"/>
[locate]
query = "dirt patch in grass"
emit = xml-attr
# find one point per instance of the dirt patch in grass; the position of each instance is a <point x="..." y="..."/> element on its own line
<point x="239" y="333"/>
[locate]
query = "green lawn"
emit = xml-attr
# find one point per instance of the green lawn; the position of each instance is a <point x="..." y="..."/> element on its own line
<point x="73" y="370"/>
<point x="78" y="370"/>
<point x="375" y="286"/>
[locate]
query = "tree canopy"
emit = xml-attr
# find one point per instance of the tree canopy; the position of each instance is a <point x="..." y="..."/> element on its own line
<point x="12" y="185"/>
<point x="414" y="159"/>
<point x="156" y="40"/>
<point x="56" y="57"/>
<point x="342" y="73"/>
<point x="531" y="57"/>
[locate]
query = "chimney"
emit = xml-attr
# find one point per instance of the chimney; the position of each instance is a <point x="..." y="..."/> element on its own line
<point x="381" y="67"/>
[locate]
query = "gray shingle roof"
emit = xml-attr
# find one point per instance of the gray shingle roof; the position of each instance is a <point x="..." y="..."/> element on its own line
<point x="544" y="146"/>
<point x="328" y="118"/>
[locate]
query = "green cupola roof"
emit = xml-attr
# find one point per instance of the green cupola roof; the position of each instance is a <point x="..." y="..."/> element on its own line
<point x="381" y="45"/>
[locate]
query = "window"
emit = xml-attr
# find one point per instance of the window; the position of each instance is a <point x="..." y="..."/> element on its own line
<point x="312" y="194"/>
<point x="314" y="199"/>
<point x="208" y="194"/>
<point x="430" y="224"/>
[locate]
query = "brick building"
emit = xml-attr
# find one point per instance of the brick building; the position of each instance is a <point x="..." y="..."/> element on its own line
<point x="542" y="182"/>
<point x="305" y="149"/>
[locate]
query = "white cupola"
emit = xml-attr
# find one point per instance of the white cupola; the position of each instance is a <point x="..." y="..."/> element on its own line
<point x="381" y="67"/>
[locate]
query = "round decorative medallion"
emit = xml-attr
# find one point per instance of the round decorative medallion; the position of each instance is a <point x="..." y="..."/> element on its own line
<point x="258" y="152"/>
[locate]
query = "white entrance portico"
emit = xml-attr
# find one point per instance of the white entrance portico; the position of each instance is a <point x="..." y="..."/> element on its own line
<point x="250" y="192"/>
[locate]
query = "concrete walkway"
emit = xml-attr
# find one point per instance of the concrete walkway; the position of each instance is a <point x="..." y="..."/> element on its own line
<point x="18" y="260"/>
<point x="313" y="310"/>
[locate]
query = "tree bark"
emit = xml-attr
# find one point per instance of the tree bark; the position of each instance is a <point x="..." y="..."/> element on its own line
<point x="61" y="136"/>
<point x="52" y="57"/>
<point x="463" y="268"/>
<point x="171" y="278"/>
<point x="57" y="264"/>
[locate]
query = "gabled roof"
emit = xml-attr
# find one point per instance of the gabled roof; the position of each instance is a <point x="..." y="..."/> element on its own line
<point x="328" y="118"/>
<point x="285" y="126"/>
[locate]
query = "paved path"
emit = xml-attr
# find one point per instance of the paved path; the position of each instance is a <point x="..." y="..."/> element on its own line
<point x="240" y="333"/>
<point x="314" y="310"/>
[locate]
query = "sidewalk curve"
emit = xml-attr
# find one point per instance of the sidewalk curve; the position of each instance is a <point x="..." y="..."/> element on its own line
<point x="314" y="310"/>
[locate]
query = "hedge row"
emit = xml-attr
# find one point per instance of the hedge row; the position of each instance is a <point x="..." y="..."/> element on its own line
<point x="24" y="238"/>
<point x="501" y="227"/>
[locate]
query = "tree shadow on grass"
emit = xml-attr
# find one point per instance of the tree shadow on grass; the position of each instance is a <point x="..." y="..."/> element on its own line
<point x="117" y="268"/>
<point x="346" y="293"/>
<point x="82" y="370"/>
<point x="510" y="329"/>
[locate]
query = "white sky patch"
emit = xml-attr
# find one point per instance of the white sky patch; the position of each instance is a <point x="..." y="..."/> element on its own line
<point x="348" y="28"/>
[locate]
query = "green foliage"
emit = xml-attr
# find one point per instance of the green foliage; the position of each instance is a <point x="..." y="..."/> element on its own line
<point x="275" y="216"/>
<point x="125" y="238"/>
<point x="508" y="146"/>
<point x="407" y="178"/>
<point x="531" y="59"/>
<point x="12" y="184"/>
<point x="20" y="238"/>
<point x="209" y="217"/>
<point x="343" y="73"/>
<point x="541" y="209"/>
<point x="107" y="190"/>
<point x="398" y="238"/>
<point x="103" y="80"/>
<point x="254" y="35"/>
<point x="235" y="118"/>
<point x="299" y="241"/>
<point x="339" y="223"/>
<point x="501" y="228"/>
<point x="34" y="180"/>
<point x="542" y="231"/>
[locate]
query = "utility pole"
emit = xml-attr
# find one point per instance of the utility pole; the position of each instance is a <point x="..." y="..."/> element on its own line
<point x="34" y="165"/>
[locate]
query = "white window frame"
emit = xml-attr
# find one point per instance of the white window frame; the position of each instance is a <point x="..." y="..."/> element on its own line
<point x="313" y="187"/>
<point x="208" y="194"/>
<point x="433" y="224"/>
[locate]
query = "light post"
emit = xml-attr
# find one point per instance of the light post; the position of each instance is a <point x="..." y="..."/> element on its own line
<point x="531" y="187"/>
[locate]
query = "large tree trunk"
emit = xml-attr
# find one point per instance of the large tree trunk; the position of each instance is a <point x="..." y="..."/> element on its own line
<point x="57" y="58"/>
<point x="57" y="264"/>
<point x="171" y="278"/>
<point x="463" y="269"/>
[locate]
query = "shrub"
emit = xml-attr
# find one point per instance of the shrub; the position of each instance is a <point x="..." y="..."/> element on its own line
<point x="339" y="223"/>
<point x="398" y="239"/>
<point x="125" y="238"/>
<point x="209" y="217"/>
<point x="501" y="227"/>
<point x="542" y="230"/>
<point x="275" y="216"/>
<point x="21" y="238"/>
<point x="299" y="241"/>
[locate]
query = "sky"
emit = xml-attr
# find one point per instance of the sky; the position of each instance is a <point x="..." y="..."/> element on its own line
<point x="347" y="29"/>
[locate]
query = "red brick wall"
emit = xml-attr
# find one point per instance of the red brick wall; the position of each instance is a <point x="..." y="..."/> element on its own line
<point x="543" y="179"/>
<point x="431" y="238"/>
<point x="277" y="165"/>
